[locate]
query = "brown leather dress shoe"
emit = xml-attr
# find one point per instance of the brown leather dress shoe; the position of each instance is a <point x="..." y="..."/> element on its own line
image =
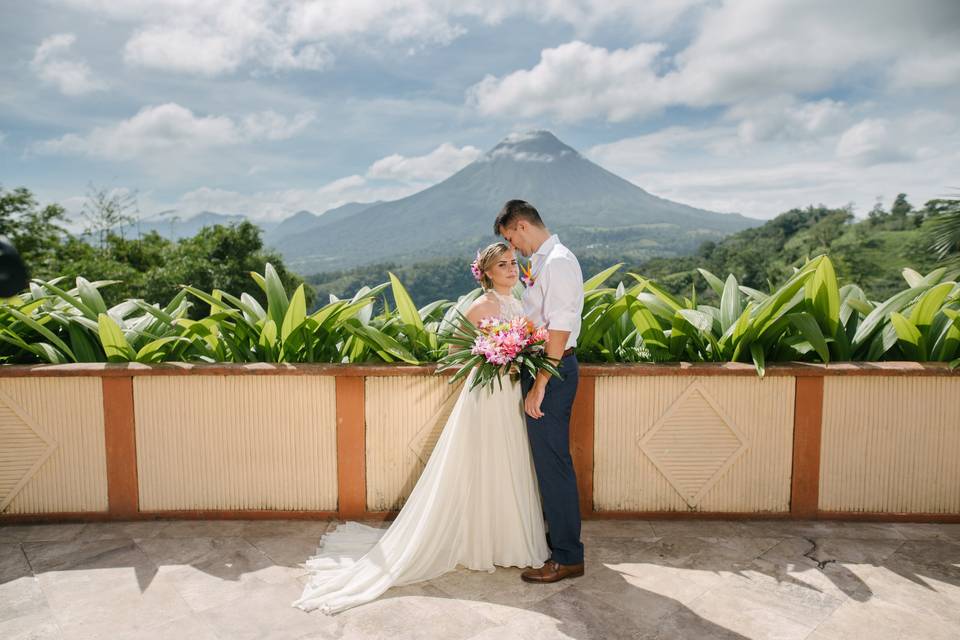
<point x="552" y="571"/>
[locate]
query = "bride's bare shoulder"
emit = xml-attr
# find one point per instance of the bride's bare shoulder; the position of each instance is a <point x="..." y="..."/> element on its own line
<point x="485" y="305"/>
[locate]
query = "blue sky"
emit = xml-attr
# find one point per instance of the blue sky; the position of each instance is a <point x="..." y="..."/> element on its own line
<point x="267" y="107"/>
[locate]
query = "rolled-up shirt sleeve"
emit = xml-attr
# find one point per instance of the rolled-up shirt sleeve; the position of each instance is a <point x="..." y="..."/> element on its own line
<point x="563" y="295"/>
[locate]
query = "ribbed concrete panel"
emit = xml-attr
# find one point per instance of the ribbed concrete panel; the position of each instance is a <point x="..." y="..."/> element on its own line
<point x="891" y="444"/>
<point x="681" y="443"/>
<point x="51" y="441"/>
<point x="236" y="442"/>
<point x="405" y="416"/>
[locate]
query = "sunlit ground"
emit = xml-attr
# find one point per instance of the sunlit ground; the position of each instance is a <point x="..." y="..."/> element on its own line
<point x="193" y="580"/>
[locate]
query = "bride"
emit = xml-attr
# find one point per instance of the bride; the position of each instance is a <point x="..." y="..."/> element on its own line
<point x="477" y="502"/>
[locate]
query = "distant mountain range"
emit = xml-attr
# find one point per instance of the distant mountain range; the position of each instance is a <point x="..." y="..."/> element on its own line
<point x="171" y="224"/>
<point x="590" y="208"/>
<point x="305" y="221"/>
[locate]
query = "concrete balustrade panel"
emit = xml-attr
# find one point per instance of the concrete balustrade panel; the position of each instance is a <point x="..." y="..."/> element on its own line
<point x="405" y="416"/>
<point x="693" y="443"/>
<point x="52" y="455"/>
<point x="263" y="442"/>
<point x="891" y="444"/>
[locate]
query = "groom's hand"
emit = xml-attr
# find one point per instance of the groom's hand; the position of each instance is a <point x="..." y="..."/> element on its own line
<point x="531" y="403"/>
<point x="556" y="342"/>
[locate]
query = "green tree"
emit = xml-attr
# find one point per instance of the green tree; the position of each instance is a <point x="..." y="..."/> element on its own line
<point x="32" y="229"/>
<point x="899" y="212"/>
<point x="877" y="213"/>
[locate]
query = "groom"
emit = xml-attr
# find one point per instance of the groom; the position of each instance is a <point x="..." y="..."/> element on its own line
<point x="553" y="297"/>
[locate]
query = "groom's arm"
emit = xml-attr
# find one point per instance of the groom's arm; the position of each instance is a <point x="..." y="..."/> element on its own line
<point x="563" y="302"/>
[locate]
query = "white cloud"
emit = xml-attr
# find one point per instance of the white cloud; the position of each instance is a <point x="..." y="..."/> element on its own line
<point x="204" y="51"/>
<point x="923" y="69"/>
<point x="173" y="129"/>
<point x="277" y="205"/>
<point x="715" y="168"/>
<point x="785" y="118"/>
<point x="743" y="50"/>
<point x="654" y="148"/>
<point x="210" y="37"/>
<point x="437" y="165"/>
<point x="389" y="178"/>
<point x="870" y="142"/>
<point x="54" y="63"/>
<point x="270" y="125"/>
<point x="574" y="81"/>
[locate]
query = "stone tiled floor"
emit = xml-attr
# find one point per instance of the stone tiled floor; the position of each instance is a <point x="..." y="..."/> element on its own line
<point x="197" y="580"/>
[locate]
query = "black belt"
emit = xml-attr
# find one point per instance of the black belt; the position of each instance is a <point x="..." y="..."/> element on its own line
<point x="568" y="351"/>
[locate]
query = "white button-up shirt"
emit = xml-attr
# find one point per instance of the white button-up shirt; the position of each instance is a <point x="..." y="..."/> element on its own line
<point x="556" y="297"/>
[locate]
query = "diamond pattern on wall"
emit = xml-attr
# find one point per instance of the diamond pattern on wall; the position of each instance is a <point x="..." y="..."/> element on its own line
<point x="23" y="448"/>
<point x="425" y="439"/>
<point x="693" y="443"/>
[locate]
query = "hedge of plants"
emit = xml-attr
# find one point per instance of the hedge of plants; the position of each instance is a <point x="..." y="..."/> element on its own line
<point x="809" y="318"/>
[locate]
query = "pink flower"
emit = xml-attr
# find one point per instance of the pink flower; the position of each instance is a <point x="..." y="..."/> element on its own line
<point x="475" y="268"/>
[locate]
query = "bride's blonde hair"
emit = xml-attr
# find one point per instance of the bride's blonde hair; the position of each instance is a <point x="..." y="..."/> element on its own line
<point x="486" y="258"/>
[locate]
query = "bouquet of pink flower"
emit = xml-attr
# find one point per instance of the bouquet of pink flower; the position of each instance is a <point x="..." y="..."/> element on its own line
<point x="497" y="346"/>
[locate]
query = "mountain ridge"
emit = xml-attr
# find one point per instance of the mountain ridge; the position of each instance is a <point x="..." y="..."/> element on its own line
<point x="574" y="195"/>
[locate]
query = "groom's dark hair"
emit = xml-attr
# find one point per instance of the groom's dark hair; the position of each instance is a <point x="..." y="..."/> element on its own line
<point x="516" y="210"/>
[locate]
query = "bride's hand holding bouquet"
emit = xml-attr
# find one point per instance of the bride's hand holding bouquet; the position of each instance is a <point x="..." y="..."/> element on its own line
<point x="496" y="347"/>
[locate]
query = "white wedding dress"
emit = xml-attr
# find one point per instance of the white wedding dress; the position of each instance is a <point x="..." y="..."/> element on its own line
<point x="476" y="504"/>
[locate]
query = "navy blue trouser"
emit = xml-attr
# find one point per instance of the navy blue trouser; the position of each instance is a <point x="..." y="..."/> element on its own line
<point x="550" y="444"/>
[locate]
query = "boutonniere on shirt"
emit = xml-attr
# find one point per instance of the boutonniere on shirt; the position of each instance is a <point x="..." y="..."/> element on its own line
<point x="526" y="276"/>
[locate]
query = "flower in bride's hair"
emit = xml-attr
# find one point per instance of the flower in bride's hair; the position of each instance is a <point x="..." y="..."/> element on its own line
<point x="475" y="268"/>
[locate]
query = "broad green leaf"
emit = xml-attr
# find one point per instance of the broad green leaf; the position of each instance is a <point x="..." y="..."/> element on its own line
<point x="268" y="339"/>
<point x="296" y="314"/>
<point x="276" y="297"/>
<point x="90" y="296"/>
<point x="730" y="305"/>
<point x="913" y="278"/>
<point x="715" y="283"/>
<point x="406" y="308"/>
<point x="875" y="318"/>
<point x="73" y="300"/>
<point x="756" y="352"/>
<point x="929" y="304"/>
<point x="700" y="321"/>
<point x="152" y="352"/>
<point x="808" y="327"/>
<point x="823" y="294"/>
<point x="600" y="278"/>
<point x="648" y="327"/>
<point x="84" y="348"/>
<point x="115" y="345"/>
<point x="909" y="336"/>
